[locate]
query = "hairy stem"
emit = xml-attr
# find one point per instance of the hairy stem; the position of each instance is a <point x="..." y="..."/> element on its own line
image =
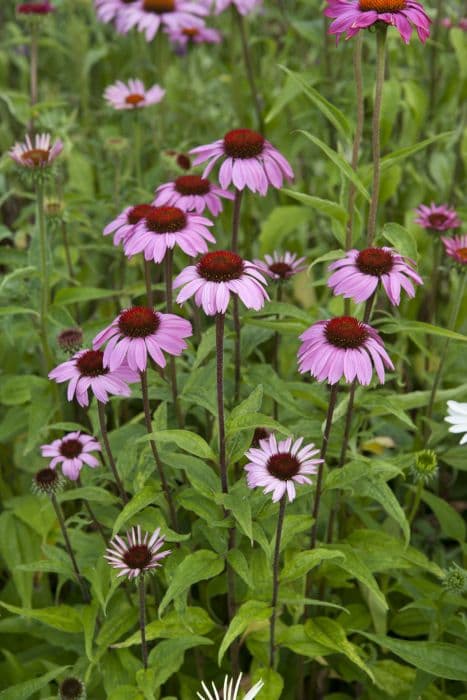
<point x="220" y="322"/>
<point x="33" y="71"/>
<point x="381" y="34"/>
<point x="357" y="63"/>
<point x="415" y="503"/>
<point x="275" y="580"/>
<point x="108" y="451"/>
<point x="69" y="548"/>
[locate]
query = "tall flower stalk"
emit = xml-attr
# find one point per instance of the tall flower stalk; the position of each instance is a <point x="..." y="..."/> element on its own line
<point x="108" y="451"/>
<point x="235" y="307"/>
<point x="358" y="75"/>
<point x="168" y="269"/>
<point x="44" y="270"/>
<point x="275" y="581"/>
<point x="247" y="60"/>
<point x="69" y="548"/>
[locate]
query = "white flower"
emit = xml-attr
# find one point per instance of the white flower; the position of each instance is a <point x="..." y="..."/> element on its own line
<point x="457" y="416"/>
<point x="229" y="692"/>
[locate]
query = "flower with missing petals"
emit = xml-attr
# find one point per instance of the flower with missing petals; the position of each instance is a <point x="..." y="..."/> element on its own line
<point x="36" y="153"/>
<point x="278" y="466"/>
<point x="229" y="691"/>
<point x="343" y="347"/>
<point x="192" y="193"/>
<point x="456" y="248"/>
<point x="72" y="451"/>
<point x="70" y="340"/>
<point x="132" y="95"/>
<point x="137" y="554"/>
<point x="281" y="266"/>
<point x="249" y="160"/>
<point x="437" y="217"/>
<point x="47" y="482"/>
<point x="215" y="277"/>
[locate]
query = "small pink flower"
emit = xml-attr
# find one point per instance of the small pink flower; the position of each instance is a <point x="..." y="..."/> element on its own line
<point x="192" y="193"/>
<point x="149" y="15"/>
<point x="437" y="217"/>
<point x="353" y="15"/>
<point x="163" y="228"/>
<point x="463" y="24"/>
<point x="281" y="266"/>
<point x="124" y="226"/>
<point x="85" y="370"/>
<point x="218" y="275"/>
<point x="38" y="153"/>
<point x="140" y="331"/>
<point x="133" y="95"/>
<point x="243" y="6"/>
<point x="182" y="37"/>
<point x="35" y="8"/>
<point x="136" y="555"/>
<point x="456" y="248"/>
<point x="249" y="161"/>
<point x="343" y="347"/>
<point x="278" y="466"/>
<point x="357" y="275"/>
<point x="446" y="22"/>
<point x="72" y="452"/>
<point x="107" y="10"/>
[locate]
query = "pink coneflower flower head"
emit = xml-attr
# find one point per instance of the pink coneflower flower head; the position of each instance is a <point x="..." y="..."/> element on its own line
<point x="72" y="452"/>
<point x="278" y="466"/>
<point x="281" y="266"/>
<point x="36" y="153"/>
<point x="446" y="22"/>
<point x="463" y="24"/>
<point x="149" y="15"/>
<point x="70" y="340"/>
<point x="35" y="8"/>
<point x="243" y="6"/>
<point x="249" y="161"/>
<point x="192" y="193"/>
<point x="181" y="38"/>
<point x="107" y="10"/>
<point x="162" y="228"/>
<point x="86" y="370"/>
<point x="437" y="217"/>
<point x="137" y="554"/>
<point x="456" y="248"/>
<point x="47" y="482"/>
<point x="124" y="225"/>
<point x="216" y="276"/>
<point x="140" y="331"/>
<point x="353" y="15"/>
<point x="357" y="275"/>
<point x="132" y="95"/>
<point x="343" y="347"/>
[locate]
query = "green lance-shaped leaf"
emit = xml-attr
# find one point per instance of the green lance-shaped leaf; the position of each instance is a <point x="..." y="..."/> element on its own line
<point x="186" y="440"/>
<point x="329" y="633"/>
<point x="200" y="566"/>
<point x="140" y="500"/>
<point x="249" y="613"/>
<point x="195" y="621"/>
<point x="323" y="206"/>
<point x="303" y="562"/>
<point x="60" y="617"/>
<point x="74" y="295"/>
<point x="23" y="691"/>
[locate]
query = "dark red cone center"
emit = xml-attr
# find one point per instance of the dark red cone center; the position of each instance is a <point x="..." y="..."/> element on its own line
<point x="220" y="266"/>
<point x="138" y="322"/>
<point x="38" y="156"/>
<point x="90" y="363"/>
<point x="283" y="466"/>
<point x="33" y="8"/>
<point x="192" y="184"/>
<point x="134" y="99"/>
<point x="382" y="5"/>
<point x="375" y="261"/>
<point x="46" y="478"/>
<point x="71" y="448"/>
<point x="346" y="332"/>
<point x="243" y="143"/>
<point x="462" y="253"/>
<point x="139" y="212"/>
<point x="437" y="220"/>
<point x="165" y="220"/>
<point x="70" y="339"/>
<point x="159" y="6"/>
<point x="281" y="269"/>
<point x="190" y="32"/>
<point x="138" y="556"/>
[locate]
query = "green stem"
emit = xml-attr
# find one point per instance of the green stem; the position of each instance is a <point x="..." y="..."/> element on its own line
<point x="249" y="69"/>
<point x="108" y="450"/>
<point x="416" y="503"/>
<point x="137" y="152"/>
<point x="357" y="63"/>
<point x="168" y="265"/>
<point x="33" y="71"/>
<point x="275" y="580"/>
<point x="44" y="271"/>
<point x="142" y="621"/>
<point x="74" y="564"/>
<point x="381" y="35"/>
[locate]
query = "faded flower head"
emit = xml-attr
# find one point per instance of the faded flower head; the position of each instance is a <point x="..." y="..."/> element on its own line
<point x="70" y="340"/>
<point x="72" y="688"/>
<point x="47" y="482"/>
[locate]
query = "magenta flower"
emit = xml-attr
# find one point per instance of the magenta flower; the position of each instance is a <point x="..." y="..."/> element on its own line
<point x="149" y="15"/>
<point x="35" y="8"/>
<point x="218" y="275"/>
<point x="353" y="15"/>
<point x="107" y="10"/>
<point x="281" y="266"/>
<point x="72" y="452"/>
<point x="192" y="193"/>
<point x="139" y="331"/>
<point x="124" y="225"/>
<point x="85" y="370"/>
<point x="163" y="228"/>
<point x="38" y="153"/>
<point x="343" y="347"/>
<point x="437" y="217"/>
<point x="357" y="275"/>
<point x="249" y="161"/>
<point x="182" y="37"/>
<point x="278" y="466"/>
<point x="137" y="555"/>
<point x="132" y="95"/>
<point x="456" y="248"/>
<point x="243" y="6"/>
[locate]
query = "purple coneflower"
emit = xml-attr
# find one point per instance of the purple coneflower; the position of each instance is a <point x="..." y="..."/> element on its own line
<point x="132" y="95"/>
<point x="437" y="217"/>
<point x="357" y="275"/>
<point x="70" y="340"/>
<point x="137" y="555"/>
<point x="140" y="331"/>
<point x="281" y="266"/>
<point x="35" y="8"/>
<point x="162" y="228"/>
<point x="181" y="38"/>
<point x="456" y="248"/>
<point x="192" y="193"/>
<point x="353" y="15"/>
<point x="278" y="466"/>
<point x="243" y="6"/>
<point x="343" y="347"/>
<point x="215" y="277"/>
<point x="149" y="15"/>
<point x="86" y="370"/>
<point x="124" y="225"/>
<point x="249" y="161"/>
<point x="72" y="452"/>
<point x="38" y="153"/>
<point x="107" y="10"/>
